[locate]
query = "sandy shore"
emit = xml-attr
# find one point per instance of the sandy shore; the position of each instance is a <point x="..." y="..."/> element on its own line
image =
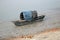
<point x="51" y="34"/>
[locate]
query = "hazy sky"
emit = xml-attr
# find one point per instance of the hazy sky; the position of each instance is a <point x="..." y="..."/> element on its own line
<point x="10" y="9"/>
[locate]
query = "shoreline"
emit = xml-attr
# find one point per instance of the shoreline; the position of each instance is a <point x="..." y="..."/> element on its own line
<point x="32" y="36"/>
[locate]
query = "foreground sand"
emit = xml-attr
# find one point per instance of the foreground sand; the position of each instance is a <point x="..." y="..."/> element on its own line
<point x="52" y="34"/>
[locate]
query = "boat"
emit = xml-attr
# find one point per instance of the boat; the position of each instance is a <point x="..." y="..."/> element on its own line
<point x="28" y="19"/>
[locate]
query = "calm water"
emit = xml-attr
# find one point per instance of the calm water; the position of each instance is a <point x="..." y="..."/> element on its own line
<point x="10" y="9"/>
<point x="52" y="20"/>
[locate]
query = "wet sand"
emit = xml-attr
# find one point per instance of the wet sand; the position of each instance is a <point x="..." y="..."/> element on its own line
<point x="51" y="34"/>
<point x="52" y="20"/>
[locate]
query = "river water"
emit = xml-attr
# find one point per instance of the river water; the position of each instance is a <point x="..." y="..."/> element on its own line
<point x="51" y="20"/>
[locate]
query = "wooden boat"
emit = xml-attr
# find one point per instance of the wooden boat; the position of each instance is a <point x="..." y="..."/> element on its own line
<point x="24" y="22"/>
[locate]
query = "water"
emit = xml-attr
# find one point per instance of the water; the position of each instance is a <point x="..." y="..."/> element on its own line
<point x="52" y="20"/>
<point x="10" y="9"/>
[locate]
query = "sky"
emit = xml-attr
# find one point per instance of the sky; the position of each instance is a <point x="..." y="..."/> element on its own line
<point x="10" y="9"/>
